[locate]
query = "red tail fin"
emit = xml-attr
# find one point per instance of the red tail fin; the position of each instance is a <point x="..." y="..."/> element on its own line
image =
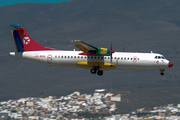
<point x="24" y="42"/>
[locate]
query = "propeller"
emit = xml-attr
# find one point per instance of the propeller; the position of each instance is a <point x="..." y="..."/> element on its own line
<point x="111" y="53"/>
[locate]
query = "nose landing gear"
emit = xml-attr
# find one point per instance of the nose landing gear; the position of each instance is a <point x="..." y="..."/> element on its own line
<point x="162" y="72"/>
<point x="96" y="69"/>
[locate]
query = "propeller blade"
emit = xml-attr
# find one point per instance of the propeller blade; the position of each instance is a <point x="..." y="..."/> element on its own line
<point x="111" y="45"/>
<point x="111" y="57"/>
<point x="111" y="53"/>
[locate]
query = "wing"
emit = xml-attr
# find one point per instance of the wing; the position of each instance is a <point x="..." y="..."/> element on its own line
<point x="86" y="48"/>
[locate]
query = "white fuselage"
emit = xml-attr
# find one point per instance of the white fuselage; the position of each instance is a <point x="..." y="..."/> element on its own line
<point x="122" y="60"/>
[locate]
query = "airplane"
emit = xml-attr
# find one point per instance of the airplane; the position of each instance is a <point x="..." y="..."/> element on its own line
<point x="96" y="59"/>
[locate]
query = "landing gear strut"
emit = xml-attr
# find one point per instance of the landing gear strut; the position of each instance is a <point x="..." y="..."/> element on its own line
<point x="96" y="69"/>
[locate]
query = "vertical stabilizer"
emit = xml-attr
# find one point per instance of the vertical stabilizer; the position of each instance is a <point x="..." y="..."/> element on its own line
<point x="22" y="40"/>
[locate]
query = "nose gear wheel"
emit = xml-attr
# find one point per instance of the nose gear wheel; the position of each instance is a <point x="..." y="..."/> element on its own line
<point x="162" y="72"/>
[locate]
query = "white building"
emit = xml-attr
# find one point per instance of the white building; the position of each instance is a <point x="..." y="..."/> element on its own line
<point x="100" y="90"/>
<point x="116" y="98"/>
<point x="15" y="115"/>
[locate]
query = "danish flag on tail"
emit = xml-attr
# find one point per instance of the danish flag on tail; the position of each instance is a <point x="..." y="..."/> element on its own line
<point x="22" y="40"/>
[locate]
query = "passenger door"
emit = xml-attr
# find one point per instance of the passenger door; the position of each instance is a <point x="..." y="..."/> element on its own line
<point x="49" y="59"/>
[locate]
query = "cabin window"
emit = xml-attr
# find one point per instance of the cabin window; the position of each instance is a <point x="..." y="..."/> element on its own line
<point x="134" y="58"/>
<point x="74" y="56"/>
<point x="114" y="57"/>
<point x="108" y="57"/>
<point x="101" y="57"/>
<point x="91" y="57"/>
<point x="124" y="58"/>
<point x="78" y="56"/>
<point x="85" y="57"/>
<point x="58" y="56"/>
<point x="88" y="57"/>
<point x="104" y="57"/>
<point x="81" y="57"/>
<point x="64" y="56"/>
<point x="138" y="58"/>
<point x="159" y="57"/>
<point x="127" y="58"/>
<point x="94" y="57"/>
<point x="98" y="57"/>
<point x="55" y="56"/>
<point x="61" y="56"/>
<point x="118" y="57"/>
<point x="156" y="57"/>
<point x="71" y="56"/>
<point x="68" y="56"/>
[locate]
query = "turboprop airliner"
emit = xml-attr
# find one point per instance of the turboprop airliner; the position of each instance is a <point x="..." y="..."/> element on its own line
<point x="96" y="59"/>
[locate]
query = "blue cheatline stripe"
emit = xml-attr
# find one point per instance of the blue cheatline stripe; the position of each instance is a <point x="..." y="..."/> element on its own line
<point x="19" y="44"/>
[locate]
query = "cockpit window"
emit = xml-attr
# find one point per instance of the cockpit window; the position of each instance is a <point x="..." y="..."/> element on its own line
<point x="163" y="57"/>
<point x="160" y="57"/>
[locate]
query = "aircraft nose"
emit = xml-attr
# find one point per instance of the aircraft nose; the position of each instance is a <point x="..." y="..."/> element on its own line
<point x="170" y="64"/>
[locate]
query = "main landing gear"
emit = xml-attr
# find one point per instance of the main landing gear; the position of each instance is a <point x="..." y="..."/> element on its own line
<point x="162" y="72"/>
<point x="96" y="69"/>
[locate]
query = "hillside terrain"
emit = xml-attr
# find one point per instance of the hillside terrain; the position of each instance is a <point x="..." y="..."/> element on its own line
<point x="138" y="26"/>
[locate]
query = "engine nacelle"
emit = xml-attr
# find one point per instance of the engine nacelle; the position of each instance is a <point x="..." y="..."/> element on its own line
<point x="103" y="51"/>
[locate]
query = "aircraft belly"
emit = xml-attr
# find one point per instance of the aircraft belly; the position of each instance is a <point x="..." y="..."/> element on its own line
<point x="148" y="64"/>
<point x="64" y="63"/>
